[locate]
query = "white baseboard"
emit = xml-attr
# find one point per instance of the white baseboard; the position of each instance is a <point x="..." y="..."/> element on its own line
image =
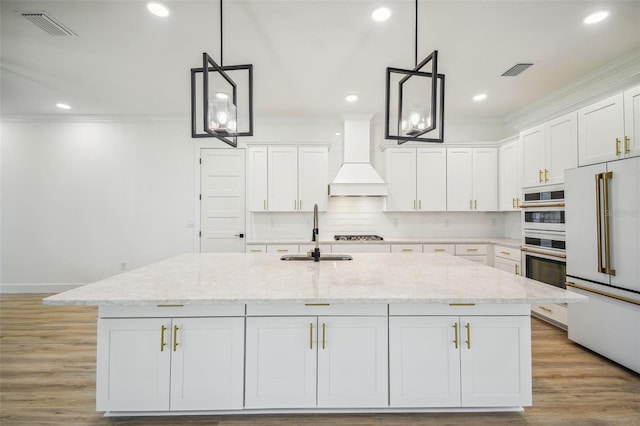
<point x="37" y="288"/>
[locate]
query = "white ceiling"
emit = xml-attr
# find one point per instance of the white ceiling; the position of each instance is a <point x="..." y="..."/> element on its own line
<point x="306" y="54"/>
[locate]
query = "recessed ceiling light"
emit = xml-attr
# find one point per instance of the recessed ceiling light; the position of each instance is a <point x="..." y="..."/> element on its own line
<point x="381" y="14"/>
<point x="598" y="16"/>
<point x="158" y="9"/>
<point x="351" y="97"/>
<point x="480" y="97"/>
<point x="63" y="105"/>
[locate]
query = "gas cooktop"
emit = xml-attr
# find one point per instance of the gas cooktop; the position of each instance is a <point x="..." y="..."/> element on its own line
<point x="357" y="238"/>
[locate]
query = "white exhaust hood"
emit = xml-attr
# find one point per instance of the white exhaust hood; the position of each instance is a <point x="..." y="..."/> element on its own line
<point x="357" y="177"/>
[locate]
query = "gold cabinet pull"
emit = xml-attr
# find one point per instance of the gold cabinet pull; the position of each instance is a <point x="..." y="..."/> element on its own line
<point x="539" y="175"/>
<point x="439" y="250"/>
<point x="175" y="337"/>
<point x="419" y="204"/>
<point x="513" y="203"/>
<point x="470" y="204"/>
<point x="544" y="308"/>
<point x="627" y="150"/>
<point x="300" y="204"/>
<point x="264" y="204"/>
<point x="475" y="204"/>
<point x="546" y="177"/>
<point x="407" y="250"/>
<point x="506" y="252"/>
<point x="468" y="342"/>
<point x="455" y="334"/>
<point x="162" y="343"/>
<point x="617" y="146"/>
<point x="310" y="335"/>
<point x="283" y="250"/>
<point x="472" y="249"/>
<point x="324" y="334"/>
<point x="517" y="267"/>
<point x="517" y="203"/>
<point x="414" y="205"/>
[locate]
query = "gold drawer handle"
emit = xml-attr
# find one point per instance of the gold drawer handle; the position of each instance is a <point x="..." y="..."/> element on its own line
<point x="472" y="249"/>
<point x="407" y="250"/>
<point x="468" y="342"/>
<point x="439" y="250"/>
<point x="544" y="308"/>
<point x="283" y="250"/>
<point x="506" y="252"/>
<point x="310" y="335"/>
<point x="324" y="334"/>
<point x="627" y="150"/>
<point x="617" y="146"/>
<point x="162" y="343"/>
<point x="175" y="337"/>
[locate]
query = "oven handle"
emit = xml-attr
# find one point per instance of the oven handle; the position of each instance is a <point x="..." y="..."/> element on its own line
<point x="530" y="206"/>
<point x="546" y="253"/>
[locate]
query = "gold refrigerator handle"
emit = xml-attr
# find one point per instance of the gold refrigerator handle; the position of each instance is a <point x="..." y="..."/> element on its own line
<point x="599" y="178"/>
<point x="607" y="235"/>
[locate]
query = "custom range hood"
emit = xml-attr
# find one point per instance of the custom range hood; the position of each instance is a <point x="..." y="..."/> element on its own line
<point x="356" y="177"/>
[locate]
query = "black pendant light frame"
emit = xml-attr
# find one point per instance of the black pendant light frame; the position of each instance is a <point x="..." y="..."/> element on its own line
<point x="209" y="65"/>
<point x="436" y="101"/>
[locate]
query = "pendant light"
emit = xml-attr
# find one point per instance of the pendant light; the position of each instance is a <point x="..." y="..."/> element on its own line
<point x="215" y="98"/>
<point x="414" y="100"/>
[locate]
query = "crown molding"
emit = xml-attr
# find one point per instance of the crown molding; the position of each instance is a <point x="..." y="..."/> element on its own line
<point x="607" y="80"/>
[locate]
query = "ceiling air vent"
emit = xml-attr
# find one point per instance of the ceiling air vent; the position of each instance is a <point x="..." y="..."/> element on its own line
<point x="48" y="24"/>
<point x="515" y="70"/>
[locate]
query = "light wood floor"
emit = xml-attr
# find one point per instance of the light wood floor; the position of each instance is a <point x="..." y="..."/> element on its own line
<point x="47" y="377"/>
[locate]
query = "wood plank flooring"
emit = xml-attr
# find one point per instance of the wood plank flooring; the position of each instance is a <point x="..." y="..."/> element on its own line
<point x="47" y="377"/>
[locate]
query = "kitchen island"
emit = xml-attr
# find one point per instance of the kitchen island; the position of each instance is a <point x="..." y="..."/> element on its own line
<point x="237" y="333"/>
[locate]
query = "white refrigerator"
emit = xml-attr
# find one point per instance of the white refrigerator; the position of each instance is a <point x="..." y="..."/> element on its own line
<point x="602" y="214"/>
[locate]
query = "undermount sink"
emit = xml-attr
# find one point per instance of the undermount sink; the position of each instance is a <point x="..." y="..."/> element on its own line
<point x="332" y="257"/>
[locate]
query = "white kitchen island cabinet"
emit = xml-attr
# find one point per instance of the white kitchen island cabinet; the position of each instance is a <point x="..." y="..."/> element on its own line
<point x="460" y="361"/>
<point x="324" y="336"/>
<point x="169" y="364"/>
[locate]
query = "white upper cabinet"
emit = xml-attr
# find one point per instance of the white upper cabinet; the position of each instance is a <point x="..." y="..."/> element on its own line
<point x="417" y="179"/>
<point x="548" y="150"/>
<point x="610" y="129"/>
<point x="632" y="122"/>
<point x="472" y="179"/>
<point x="313" y="178"/>
<point x="509" y="175"/>
<point x="287" y="178"/>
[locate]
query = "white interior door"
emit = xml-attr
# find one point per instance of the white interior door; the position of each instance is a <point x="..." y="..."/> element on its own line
<point x="222" y="204"/>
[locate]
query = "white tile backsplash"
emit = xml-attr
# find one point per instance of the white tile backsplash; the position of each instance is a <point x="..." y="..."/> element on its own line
<point x="365" y="215"/>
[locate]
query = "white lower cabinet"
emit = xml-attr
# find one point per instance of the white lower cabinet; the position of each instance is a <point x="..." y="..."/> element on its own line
<point x="316" y="361"/>
<point x="169" y="364"/>
<point x="453" y="361"/>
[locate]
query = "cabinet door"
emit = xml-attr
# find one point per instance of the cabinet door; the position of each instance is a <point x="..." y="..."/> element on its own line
<point x="624" y="222"/>
<point x="207" y="363"/>
<point x="352" y="362"/>
<point x="283" y="179"/>
<point x="485" y="179"/>
<point x="257" y="179"/>
<point x="532" y="142"/>
<point x="495" y="361"/>
<point x="632" y="122"/>
<point x="281" y="356"/>
<point x="313" y="178"/>
<point x="401" y="177"/>
<point x="508" y="179"/>
<point x="132" y="364"/>
<point x="507" y="265"/>
<point x="431" y="177"/>
<point x="424" y="361"/>
<point x="562" y="153"/>
<point x="459" y="179"/>
<point x="601" y="131"/>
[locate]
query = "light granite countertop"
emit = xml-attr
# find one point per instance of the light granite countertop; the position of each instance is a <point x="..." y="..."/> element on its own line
<point x="507" y="242"/>
<point x="212" y="278"/>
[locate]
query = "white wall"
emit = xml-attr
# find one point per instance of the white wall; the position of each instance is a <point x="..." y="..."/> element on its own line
<point x="79" y="199"/>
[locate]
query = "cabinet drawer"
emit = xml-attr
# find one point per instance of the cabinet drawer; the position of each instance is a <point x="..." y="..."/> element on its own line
<point x="507" y="265"/>
<point x="457" y="309"/>
<point x="507" y="253"/>
<point x="282" y="248"/>
<point x="171" y="311"/>
<point x="256" y="249"/>
<point x="483" y="260"/>
<point x="551" y="311"/>
<point x="286" y="309"/>
<point x="471" y="249"/>
<point x="350" y="248"/>
<point x="439" y="248"/>
<point x="406" y="248"/>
